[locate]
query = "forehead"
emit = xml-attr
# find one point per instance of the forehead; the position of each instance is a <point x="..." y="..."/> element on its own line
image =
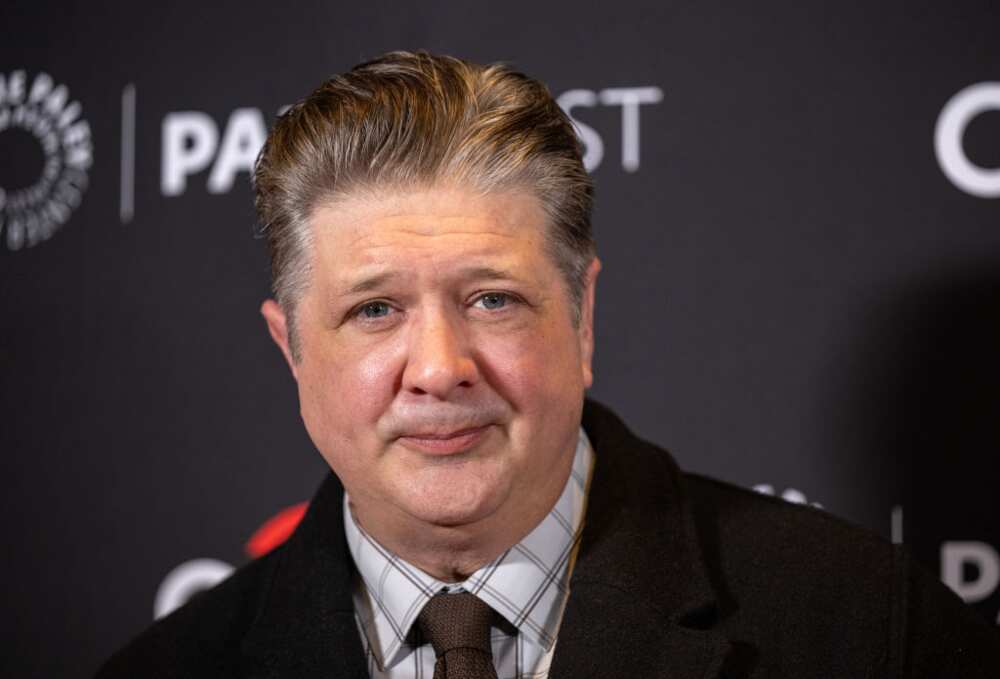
<point x="375" y="229"/>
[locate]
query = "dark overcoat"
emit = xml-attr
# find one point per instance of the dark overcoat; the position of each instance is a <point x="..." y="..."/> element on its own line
<point x="678" y="576"/>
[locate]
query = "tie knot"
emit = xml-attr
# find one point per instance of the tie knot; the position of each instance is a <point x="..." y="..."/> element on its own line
<point x="460" y="620"/>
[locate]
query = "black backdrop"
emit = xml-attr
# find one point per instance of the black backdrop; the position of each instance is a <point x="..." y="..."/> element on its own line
<point x="800" y="293"/>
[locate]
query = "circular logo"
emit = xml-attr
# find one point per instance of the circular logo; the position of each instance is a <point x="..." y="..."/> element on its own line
<point x="955" y="117"/>
<point x="38" y="119"/>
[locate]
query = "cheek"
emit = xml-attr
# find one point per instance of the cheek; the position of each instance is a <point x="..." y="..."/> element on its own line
<point x="370" y="380"/>
<point x="343" y="394"/>
<point x="535" y="369"/>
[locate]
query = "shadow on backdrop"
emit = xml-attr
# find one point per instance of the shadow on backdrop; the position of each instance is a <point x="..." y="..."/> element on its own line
<point x="917" y="405"/>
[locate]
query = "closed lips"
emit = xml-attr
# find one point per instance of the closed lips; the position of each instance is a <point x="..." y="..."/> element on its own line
<point x="443" y="436"/>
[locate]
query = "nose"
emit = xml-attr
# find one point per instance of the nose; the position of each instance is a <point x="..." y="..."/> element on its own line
<point x="440" y="358"/>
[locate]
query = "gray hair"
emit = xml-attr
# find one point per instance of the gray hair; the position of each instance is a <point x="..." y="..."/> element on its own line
<point x="408" y="120"/>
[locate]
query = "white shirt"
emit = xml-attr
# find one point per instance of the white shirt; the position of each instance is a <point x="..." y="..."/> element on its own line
<point x="528" y="585"/>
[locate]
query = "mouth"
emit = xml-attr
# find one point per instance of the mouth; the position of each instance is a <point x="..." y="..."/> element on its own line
<point x="444" y="443"/>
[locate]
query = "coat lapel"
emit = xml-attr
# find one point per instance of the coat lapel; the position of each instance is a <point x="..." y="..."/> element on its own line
<point x="640" y="603"/>
<point x="305" y="624"/>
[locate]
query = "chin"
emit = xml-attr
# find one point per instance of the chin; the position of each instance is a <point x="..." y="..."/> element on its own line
<point x="454" y="503"/>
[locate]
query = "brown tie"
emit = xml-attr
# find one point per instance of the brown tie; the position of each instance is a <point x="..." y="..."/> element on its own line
<point x="458" y="627"/>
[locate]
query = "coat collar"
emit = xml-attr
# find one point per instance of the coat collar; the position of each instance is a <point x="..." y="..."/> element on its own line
<point x="641" y="600"/>
<point x="639" y="590"/>
<point x="305" y="624"/>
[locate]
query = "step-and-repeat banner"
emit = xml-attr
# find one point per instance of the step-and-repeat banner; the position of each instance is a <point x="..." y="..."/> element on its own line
<point x="798" y="210"/>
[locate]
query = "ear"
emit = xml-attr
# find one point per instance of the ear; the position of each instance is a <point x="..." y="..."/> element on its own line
<point x="277" y="325"/>
<point x="587" y="322"/>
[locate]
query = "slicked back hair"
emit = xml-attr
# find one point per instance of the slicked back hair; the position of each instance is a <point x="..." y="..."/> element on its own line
<point x="414" y="120"/>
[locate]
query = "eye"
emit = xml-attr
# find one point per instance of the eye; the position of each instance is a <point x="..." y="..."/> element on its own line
<point x="493" y="300"/>
<point x="373" y="310"/>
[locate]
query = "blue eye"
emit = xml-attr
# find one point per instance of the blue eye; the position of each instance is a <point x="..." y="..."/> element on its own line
<point x="493" y="300"/>
<point x="374" y="310"/>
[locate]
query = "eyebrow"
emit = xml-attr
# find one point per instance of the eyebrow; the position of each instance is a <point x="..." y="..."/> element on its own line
<point x="473" y="272"/>
<point x="487" y="272"/>
<point x="372" y="282"/>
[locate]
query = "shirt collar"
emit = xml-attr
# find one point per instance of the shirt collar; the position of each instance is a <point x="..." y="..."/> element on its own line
<point x="528" y="584"/>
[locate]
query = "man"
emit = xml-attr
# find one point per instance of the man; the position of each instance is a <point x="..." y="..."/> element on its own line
<point x="434" y="275"/>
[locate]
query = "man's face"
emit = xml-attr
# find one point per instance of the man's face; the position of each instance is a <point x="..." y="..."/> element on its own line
<point x="441" y="374"/>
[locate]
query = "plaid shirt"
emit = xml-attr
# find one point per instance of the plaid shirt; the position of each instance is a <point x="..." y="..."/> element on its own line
<point x="527" y="585"/>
